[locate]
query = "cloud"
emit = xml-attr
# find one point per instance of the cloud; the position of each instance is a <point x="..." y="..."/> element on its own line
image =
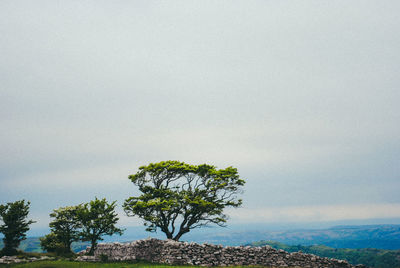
<point x="301" y="98"/>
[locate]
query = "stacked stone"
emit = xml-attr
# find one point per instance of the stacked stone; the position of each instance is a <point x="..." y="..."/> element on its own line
<point x="15" y="259"/>
<point x="183" y="253"/>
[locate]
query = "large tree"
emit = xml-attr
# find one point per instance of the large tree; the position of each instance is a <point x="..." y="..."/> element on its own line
<point x="97" y="218"/>
<point x="15" y="225"/>
<point x="178" y="197"/>
<point x="64" y="229"/>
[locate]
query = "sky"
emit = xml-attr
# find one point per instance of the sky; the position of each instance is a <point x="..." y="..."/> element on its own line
<point x="302" y="97"/>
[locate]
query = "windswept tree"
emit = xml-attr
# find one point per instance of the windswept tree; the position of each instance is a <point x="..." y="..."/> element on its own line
<point x="97" y="218"/>
<point x="14" y="225"/>
<point x="178" y="197"/>
<point x="64" y="230"/>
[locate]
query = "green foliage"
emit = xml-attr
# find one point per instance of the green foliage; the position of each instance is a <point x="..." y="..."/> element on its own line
<point x="86" y="222"/>
<point x="370" y="257"/>
<point x="97" y="218"/>
<point x="52" y="243"/>
<point x="15" y="225"/>
<point x="178" y="197"/>
<point x="64" y="230"/>
<point x="103" y="258"/>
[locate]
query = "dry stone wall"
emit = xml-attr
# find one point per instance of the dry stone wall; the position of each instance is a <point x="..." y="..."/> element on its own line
<point x="16" y="259"/>
<point x="183" y="253"/>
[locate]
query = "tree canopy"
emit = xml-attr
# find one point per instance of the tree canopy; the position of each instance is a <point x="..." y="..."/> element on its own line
<point x="64" y="230"/>
<point x="97" y="218"/>
<point x="15" y="225"/>
<point x="178" y="197"/>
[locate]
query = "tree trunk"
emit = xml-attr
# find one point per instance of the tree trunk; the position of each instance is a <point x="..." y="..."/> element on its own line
<point x="68" y="247"/>
<point x="10" y="246"/>
<point x="92" y="248"/>
<point x="181" y="232"/>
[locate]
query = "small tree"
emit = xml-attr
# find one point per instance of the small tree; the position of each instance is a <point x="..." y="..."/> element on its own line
<point x="15" y="225"/>
<point x="64" y="229"/>
<point x="178" y="197"/>
<point x="51" y="243"/>
<point x="97" y="218"/>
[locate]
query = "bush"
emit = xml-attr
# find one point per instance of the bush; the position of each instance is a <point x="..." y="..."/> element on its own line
<point x="51" y="243"/>
<point x="104" y="258"/>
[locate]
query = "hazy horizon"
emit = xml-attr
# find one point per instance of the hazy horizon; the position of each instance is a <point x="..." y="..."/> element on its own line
<point x="301" y="97"/>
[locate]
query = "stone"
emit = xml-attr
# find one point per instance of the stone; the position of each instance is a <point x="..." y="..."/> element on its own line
<point x="183" y="253"/>
<point x="15" y="259"/>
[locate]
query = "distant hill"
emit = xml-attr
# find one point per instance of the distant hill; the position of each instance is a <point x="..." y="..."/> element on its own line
<point x="32" y="244"/>
<point x="369" y="257"/>
<point x="360" y="236"/>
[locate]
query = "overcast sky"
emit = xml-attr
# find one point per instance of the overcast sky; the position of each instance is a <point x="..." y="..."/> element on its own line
<point x="301" y="96"/>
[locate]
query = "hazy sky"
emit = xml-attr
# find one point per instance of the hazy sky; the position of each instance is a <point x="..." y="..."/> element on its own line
<point x="301" y="96"/>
